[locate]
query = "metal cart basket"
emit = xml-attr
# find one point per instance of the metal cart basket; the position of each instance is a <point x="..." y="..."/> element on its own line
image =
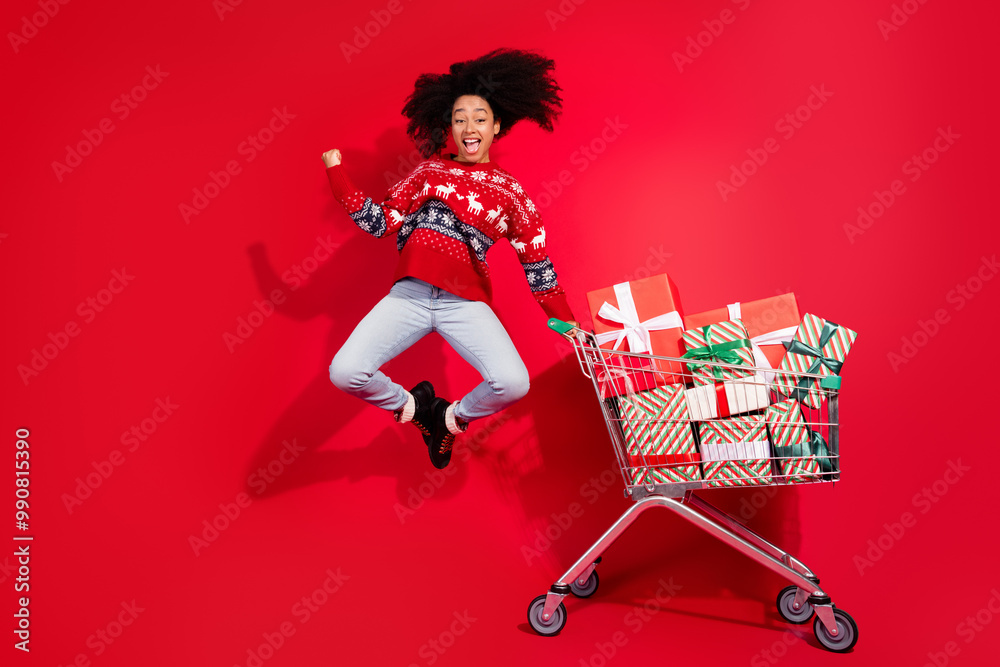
<point x="683" y="424"/>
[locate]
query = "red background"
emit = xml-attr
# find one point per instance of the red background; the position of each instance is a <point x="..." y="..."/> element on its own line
<point x="649" y="199"/>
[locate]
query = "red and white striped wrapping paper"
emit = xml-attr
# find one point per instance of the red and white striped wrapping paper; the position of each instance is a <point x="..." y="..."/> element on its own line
<point x="735" y="451"/>
<point x="788" y="427"/>
<point x="658" y="432"/>
<point x="836" y="347"/>
<point x="714" y="334"/>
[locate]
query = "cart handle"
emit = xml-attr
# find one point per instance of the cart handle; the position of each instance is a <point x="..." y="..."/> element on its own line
<point x="559" y="326"/>
<point x="830" y="382"/>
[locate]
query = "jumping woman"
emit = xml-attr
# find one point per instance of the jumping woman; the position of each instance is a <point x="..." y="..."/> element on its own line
<point x="446" y="215"/>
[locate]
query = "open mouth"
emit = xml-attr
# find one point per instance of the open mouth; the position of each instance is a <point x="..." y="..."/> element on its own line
<point x="471" y="145"/>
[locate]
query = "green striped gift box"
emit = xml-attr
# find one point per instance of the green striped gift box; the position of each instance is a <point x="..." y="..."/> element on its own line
<point x="735" y="451"/>
<point x="819" y="346"/>
<point x="724" y="342"/>
<point x="658" y="432"/>
<point x="789" y="435"/>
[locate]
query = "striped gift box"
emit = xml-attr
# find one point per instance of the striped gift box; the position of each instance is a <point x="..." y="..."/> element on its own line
<point x="667" y="474"/>
<point x="724" y="342"/>
<point x="819" y="346"/>
<point x="735" y="451"/>
<point x="658" y="432"/>
<point x="789" y="436"/>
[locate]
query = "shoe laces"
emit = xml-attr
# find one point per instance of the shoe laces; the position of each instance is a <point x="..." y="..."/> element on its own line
<point x="446" y="442"/>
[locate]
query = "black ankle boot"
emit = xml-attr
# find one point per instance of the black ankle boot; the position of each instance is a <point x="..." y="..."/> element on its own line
<point x="441" y="445"/>
<point x="423" y="396"/>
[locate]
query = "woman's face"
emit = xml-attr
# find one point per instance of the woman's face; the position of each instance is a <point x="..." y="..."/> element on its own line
<point x="473" y="128"/>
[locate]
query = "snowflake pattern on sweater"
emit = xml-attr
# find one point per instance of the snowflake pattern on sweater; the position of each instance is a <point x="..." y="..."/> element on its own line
<point x="447" y="215"/>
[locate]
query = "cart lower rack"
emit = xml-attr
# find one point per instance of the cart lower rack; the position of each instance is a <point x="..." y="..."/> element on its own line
<point x="678" y="425"/>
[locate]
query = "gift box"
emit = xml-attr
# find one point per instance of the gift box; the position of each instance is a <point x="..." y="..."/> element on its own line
<point x="730" y="397"/>
<point x="800" y="452"/>
<point x="668" y="474"/>
<point x="641" y="316"/>
<point x="769" y="323"/>
<point x="658" y="432"/>
<point x="724" y="342"/>
<point x="735" y="451"/>
<point x="820" y="347"/>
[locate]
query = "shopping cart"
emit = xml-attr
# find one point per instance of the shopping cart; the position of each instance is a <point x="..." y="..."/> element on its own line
<point x="665" y="421"/>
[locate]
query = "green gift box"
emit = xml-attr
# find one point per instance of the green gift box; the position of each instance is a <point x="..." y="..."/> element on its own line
<point x="819" y="347"/>
<point x="800" y="452"/>
<point x="720" y="343"/>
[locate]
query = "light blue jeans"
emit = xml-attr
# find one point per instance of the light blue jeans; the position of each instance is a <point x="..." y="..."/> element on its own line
<point x="412" y="310"/>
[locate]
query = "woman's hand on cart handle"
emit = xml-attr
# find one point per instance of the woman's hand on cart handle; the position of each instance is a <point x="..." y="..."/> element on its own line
<point x="331" y="158"/>
<point x="565" y="329"/>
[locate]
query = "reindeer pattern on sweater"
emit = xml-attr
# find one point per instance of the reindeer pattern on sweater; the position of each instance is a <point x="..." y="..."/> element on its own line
<point x="459" y="211"/>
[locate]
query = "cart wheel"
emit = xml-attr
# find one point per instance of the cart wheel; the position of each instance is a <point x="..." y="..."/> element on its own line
<point x="847" y="633"/>
<point x="554" y="624"/>
<point x="786" y="598"/>
<point x="588" y="589"/>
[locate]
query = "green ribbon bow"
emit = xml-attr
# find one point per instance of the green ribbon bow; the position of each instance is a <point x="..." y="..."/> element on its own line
<point x="724" y="353"/>
<point x="815" y="447"/>
<point x="801" y="389"/>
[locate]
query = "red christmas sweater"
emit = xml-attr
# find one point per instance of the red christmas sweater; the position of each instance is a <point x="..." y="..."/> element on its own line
<point x="446" y="215"/>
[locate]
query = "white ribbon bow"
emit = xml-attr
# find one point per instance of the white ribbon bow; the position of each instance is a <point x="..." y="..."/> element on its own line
<point x="636" y="332"/>
<point x="776" y="337"/>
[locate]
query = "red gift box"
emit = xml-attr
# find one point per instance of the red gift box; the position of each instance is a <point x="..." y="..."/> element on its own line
<point x="642" y="316"/>
<point x="768" y="322"/>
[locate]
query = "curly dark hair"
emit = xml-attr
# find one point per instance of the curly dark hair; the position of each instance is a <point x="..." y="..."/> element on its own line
<point x="517" y="84"/>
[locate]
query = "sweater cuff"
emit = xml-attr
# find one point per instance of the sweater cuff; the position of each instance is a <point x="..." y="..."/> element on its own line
<point x="557" y="306"/>
<point x="340" y="184"/>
